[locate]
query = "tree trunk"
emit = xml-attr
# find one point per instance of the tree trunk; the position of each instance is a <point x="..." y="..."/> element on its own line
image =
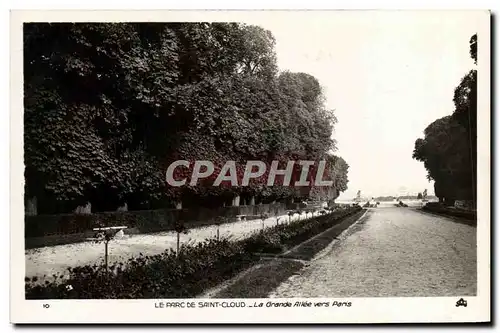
<point x="236" y="200"/>
<point x="178" y="242"/>
<point x="106" y="255"/>
<point x="87" y="209"/>
<point x="449" y="202"/>
<point x="123" y="208"/>
<point x="252" y="201"/>
<point x="31" y="207"/>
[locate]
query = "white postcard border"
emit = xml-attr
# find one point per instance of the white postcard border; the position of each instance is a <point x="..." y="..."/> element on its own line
<point x="363" y="310"/>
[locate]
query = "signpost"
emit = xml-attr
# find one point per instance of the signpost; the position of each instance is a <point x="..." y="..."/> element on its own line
<point x="109" y="234"/>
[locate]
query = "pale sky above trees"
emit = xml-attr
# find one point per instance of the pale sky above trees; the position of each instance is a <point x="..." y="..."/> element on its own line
<point x="388" y="75"/>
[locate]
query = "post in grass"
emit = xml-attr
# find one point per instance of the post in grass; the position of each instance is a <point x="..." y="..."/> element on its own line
<point x="180" y="227"/>
<point x="218" y="221"/>
<point x="278" y="220"/>
<point x="106" y="234"/>
<point x="263" y="217"/>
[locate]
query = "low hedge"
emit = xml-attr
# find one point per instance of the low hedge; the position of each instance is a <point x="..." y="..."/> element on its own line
<point x="183" y="275"/>
<point x="144" y="220"/>
<point x="438" y="208"/>
<point x="278" y="238"/>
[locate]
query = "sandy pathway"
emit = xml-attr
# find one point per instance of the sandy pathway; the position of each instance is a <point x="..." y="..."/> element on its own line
<point x="394" y="252"/>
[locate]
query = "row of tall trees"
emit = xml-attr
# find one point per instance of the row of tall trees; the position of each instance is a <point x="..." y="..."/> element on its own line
<point x="107" y="107"/>
<point x="449" y="148"/>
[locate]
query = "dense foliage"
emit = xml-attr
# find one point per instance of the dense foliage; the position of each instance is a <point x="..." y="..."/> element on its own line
<point x="178" y="275"/>
<point x="109" y="106"/>
<point x="449" y="148"/>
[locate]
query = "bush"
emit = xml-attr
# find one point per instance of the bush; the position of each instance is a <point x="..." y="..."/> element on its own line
<point x="264" y="242"/>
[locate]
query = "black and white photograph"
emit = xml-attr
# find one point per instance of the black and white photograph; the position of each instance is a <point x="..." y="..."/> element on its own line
<point x="244" y="163"/>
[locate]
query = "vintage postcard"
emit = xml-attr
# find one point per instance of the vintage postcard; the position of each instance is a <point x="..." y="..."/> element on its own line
<point x="250" y="166"/>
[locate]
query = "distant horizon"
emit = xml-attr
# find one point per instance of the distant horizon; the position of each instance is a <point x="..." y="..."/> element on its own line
<point x="346" y="196"/>
<point x="363" y="198"/>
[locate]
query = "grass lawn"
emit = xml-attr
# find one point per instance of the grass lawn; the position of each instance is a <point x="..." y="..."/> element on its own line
<point x="259" y="282"/>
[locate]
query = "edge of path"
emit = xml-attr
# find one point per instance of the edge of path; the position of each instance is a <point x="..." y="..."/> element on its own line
<point x="263" y="278"/>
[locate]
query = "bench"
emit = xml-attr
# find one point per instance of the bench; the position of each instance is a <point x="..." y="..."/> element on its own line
<point x="110" y="228"/>
<point x="108" y="237"/>
<point x="108" y="231"/>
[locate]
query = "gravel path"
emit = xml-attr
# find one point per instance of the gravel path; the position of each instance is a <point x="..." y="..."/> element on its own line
<point x="393" y="252"/>
<point x="56" y="259"/>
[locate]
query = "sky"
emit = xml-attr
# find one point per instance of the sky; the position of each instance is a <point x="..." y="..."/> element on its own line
<point x="387" y="75"/>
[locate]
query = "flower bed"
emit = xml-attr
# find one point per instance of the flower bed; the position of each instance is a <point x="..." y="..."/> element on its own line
<point x="183" y="275"/>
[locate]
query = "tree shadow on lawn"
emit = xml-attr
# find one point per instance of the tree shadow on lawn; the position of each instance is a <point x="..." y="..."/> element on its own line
<point x="259" y="282"/>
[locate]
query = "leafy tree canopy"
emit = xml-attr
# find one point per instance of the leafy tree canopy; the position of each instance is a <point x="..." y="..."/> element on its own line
<point x="109" y="106"/>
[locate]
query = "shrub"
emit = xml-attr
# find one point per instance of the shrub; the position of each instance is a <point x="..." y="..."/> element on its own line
<point x="264" y="242"/>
